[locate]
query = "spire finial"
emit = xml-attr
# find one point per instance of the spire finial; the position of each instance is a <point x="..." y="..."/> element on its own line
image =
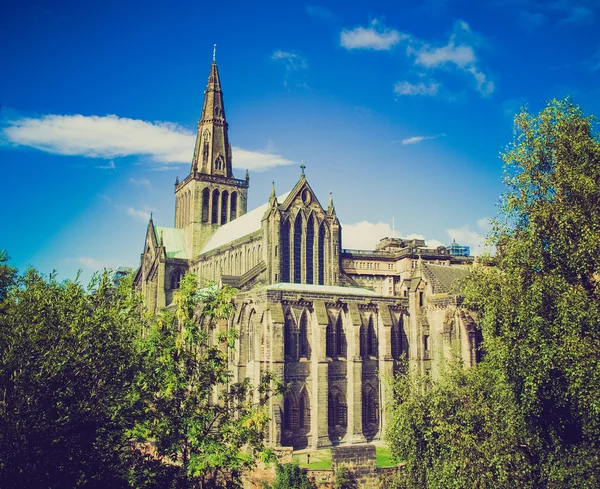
<point x="150" y="215"/>
<point x="214" y="53"/>
<point x="303" y="166"/>
<point x="273" y="189"/>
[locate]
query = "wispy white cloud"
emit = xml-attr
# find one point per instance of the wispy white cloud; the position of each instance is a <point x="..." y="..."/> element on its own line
<point x="420" y="88"/>
<point x="366" y="235"/>
<point x="90" y="263"/>
<point x="376" y="36"/>
<point x="419" y="139"/>
<point x="295" y="68"/>
<point x="159" y="144"/>
<point x="457" y="53"/>
<point x="139" y="214"/>
<point x="320" y="12"/>
<point x="476" y="240"/>
<point x="109" y="166"/>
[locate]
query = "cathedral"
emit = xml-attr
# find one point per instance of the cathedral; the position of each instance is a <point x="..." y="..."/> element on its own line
<point x="331" y="323"/>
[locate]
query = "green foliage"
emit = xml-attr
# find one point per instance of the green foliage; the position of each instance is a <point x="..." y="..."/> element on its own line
<point x="344" y="479"/>
<point x="291" y="476"/>
<point x="461" y="432"/>
<point x="194" y="414"/>
<point x="67" y="369"/>
<point x="540" y="306"/>
<point x="529" y="414"/>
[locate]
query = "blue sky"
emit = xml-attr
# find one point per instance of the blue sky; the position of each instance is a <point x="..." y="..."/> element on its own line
<point x="398" y="108"/>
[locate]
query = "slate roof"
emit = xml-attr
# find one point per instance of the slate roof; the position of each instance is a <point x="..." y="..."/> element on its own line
<point x="442" y="277"/>
<point x="173" y="240"/>
<point x="240" y="227"/>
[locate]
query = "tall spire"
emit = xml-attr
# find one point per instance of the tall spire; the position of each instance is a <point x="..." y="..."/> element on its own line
<point x="212" y="152"/>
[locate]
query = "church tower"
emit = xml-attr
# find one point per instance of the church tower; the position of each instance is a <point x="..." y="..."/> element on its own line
<point x="209" y="196"/>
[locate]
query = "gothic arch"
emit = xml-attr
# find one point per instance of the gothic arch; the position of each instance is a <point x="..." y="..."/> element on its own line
<point x="224" y="205"/>
<point x="215" y="207"/>
<point x="370" y="409"/>
<point x="289" y="343"/>
<point x="304" y="410"/>
<point x="298" y="248"/>
<point x="233" y="206"/>
<point x="251" y="336"/>
<point x="205" y="203"/>
<point x="176" y="276"/>
<point x="310" y="244"/>
<point x="284" y="242"/>
<point x="340" y="337"/>
<point x="304" y="349"/>
<point x="337" y="410"/>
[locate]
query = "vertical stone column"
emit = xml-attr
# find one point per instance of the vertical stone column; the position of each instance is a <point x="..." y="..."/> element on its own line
<point x="386" y="362"/>
<point x="354" y="433"/>
<point x="320" y="379"/>
<point x="277" y="366"/>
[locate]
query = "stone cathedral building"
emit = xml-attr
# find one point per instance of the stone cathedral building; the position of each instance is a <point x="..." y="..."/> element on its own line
<point x="332" y="323"/>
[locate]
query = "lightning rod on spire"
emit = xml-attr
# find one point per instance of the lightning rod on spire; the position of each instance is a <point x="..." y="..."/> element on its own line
<point x="214" y="53"/>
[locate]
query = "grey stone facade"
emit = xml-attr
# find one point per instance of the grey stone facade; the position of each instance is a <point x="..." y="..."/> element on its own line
<point x="331" y="323"/>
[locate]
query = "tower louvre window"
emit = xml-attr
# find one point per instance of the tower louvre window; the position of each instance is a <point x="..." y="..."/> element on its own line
<point x="233" y="206"/>
<point x="215" y="207"/>
<point x="224" y="202"/>
<point x="310" y="242"/>
<point x="205" y="204"/>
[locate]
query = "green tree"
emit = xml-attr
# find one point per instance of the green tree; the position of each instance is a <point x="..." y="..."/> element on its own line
<point x="540" y="305"/>
<point x="291" y="476"/>
<point x="529" y="414"/>
<point x="462" y="431"/>
<point x="67" y="369"/>
<point x="196" y="417"/>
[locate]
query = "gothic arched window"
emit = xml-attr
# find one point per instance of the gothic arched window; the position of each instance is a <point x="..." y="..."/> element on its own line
<point x="321" y="253"/>
<point x="175" y="279"/>
<point x="215" y="207"/>
<point x="304" y="411"/>
<point x="330" y="340"/>
<point x="205" y="204"/>
<point x="233" y="206"/>
<point x="224" y="202"/>
<point x="337" y="412"/>
<point x="251" y="338"/>
<point x="310" y="243"/>
<point x="284" y="264"/>
<point x="371" y="339"/>
<point x="288" y="415"/>
<point x="303" y="336"/>
<point x="370" y="406"/>
<point x="340" y="338"/>
<point x="297" y="248"/>
<point x="288" y="343"/>
<point x="219" y="163"/>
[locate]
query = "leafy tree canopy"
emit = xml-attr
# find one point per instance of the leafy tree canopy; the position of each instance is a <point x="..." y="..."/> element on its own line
<point x="539" y="311"/>
<point x="67" y="369"/>
<point x="195" y="414"/>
